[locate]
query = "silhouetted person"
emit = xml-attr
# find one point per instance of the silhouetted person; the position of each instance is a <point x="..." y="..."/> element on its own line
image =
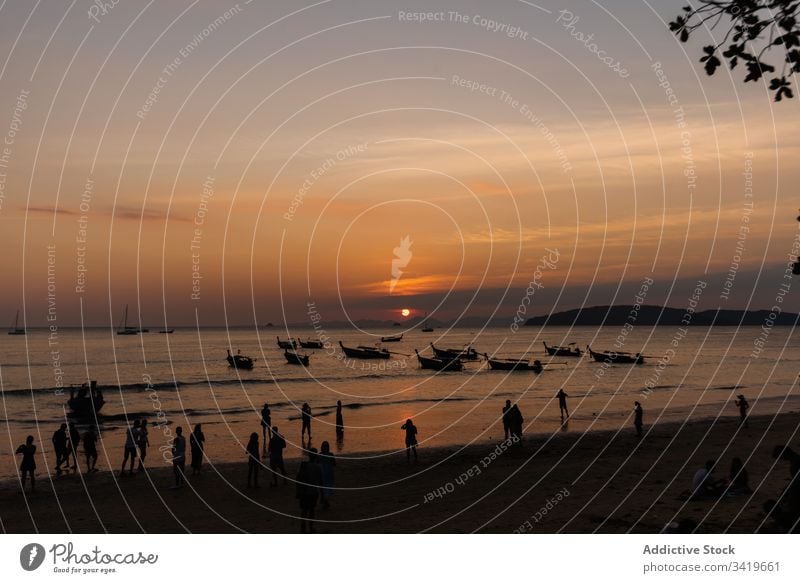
<point x="276" y="446"/>
<point x="72" y="449"/>
<point x="305" y="415"/>
<point x="90" y="450"/>
<point x="562" y="403"/>
<point x="786" y="513"/>
<point x="179" y="457"/>
<point x="60" y="446"/>
<point x="327" y="463"/>
<point x="339" y="420"/>
<point x="743" y="406"/>
<point x="704" y="485"/>
<point x="143" y="442"/>
<point x="131" y="441"/>
<point x="266" y="427"/>
<point x="738" y="479"/>
<point x="309" y="481"/>
<point x="197" y="443"/>
<point x="411" y="439"/>
<point x="252" y="460"/>
<point x="28" y="465"/>
<point x="516" y="421"/>
<point x="638" y="417"/>
<point x="507" y="419"/>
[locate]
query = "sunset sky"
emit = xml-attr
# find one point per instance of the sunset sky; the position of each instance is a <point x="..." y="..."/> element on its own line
<point x="296" y="145"/>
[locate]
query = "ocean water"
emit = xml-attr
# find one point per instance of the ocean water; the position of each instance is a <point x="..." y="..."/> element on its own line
<point x="182" y="379"/>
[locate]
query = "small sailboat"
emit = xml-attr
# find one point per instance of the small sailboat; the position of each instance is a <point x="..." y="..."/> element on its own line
<point x="126" y="330"/>
<point x="428" y="327"/>
<point x="15" y="330"/>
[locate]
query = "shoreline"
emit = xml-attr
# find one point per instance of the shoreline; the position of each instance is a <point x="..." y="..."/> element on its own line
<point x="609" y="481"/>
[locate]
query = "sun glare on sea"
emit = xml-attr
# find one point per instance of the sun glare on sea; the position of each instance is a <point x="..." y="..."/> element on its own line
<point x="405" y="312"/>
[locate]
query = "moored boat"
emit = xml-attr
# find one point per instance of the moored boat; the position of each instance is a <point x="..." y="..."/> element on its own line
<point x="616" y="357"/>
<point x="85" y="400"/>
<point x="514" y="364"/>
<point x="286" y="344"/>
<point x="240" y="361"/>
<point x="314" y="344"/>
<point x="468" y="353"/>
<point x="365" y="352"/>
<point x="396" y="338"/>
<point x="440" y="364"/>
<point x="293" y="358"/>
<point x="569" y="350"/>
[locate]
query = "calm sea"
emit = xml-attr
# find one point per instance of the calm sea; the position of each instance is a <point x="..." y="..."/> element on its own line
<point x="184" y="379"/>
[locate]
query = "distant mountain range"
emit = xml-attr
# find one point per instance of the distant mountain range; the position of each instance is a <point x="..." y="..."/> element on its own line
<point x="658" y="315"/>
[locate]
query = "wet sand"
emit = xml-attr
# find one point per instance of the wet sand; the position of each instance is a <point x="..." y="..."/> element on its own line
<point x="569" y="482"/>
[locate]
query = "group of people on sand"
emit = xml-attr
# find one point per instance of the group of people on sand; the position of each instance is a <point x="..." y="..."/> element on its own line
<point x="512" y="422"/>
<point x="785" y="511"/>
<point x="273" y="446"/>
<point x="197" y="446"/>
<point x="66" y="440"/>
<point x="65" y="446"/>
<point x="314" y="483"/>
<point x="706" y="486"/>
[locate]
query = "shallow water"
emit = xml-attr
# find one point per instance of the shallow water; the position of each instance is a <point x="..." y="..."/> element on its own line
<point x="184" y="377"/>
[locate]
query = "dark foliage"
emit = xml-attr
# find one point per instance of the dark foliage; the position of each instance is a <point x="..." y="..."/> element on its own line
<point x="756" y="29"/>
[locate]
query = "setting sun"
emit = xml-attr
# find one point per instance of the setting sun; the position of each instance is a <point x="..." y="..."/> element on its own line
<point x="405" y="312"/>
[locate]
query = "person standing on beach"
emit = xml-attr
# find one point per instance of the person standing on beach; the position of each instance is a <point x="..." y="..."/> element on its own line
<point x="743" y="405"/>
<point x="327" y="463"/>
<point x="638" y="414"/>
<point x="74" y="440"/>
<point x="90" y="449"/>
<point x="308" y="483"/>
<point x="266" y="427"/>
<point x="411" y="439"/>
<point x="28" y="465"/>
<point x="516" y="421"/>
<point x="562" y="403"/>
<point x="252" y="460"/>
<point x="178" y="457"/>
<point x="305" y="415"/>
<point x="197" y="442"/>
<point x="60" y="447"/>
<point x="131" y="440"/>
<point x="339" y="421"/>
<point x="276" y="446"/>
<point x="507" y="419"/>
<point x="143" y="444"/>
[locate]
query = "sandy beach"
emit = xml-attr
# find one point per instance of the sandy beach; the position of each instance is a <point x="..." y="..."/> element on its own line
<point x="609" y="482"/>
